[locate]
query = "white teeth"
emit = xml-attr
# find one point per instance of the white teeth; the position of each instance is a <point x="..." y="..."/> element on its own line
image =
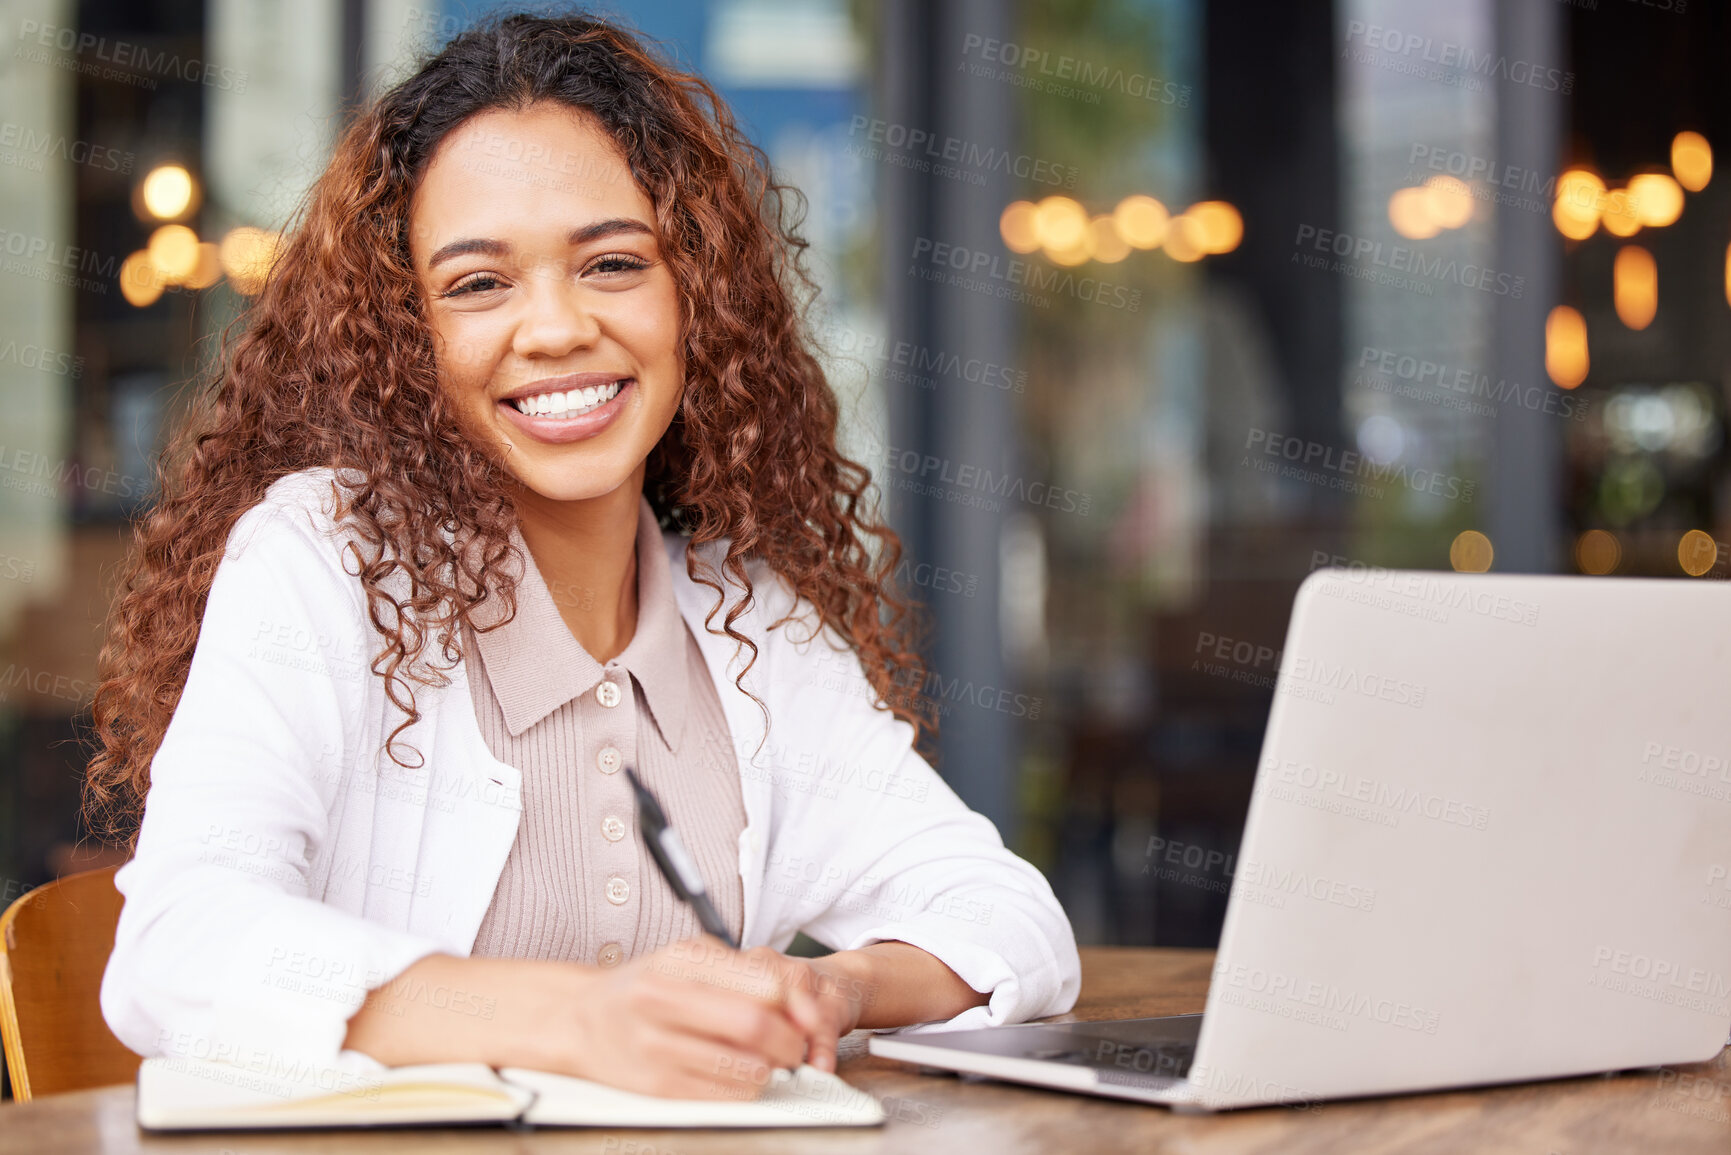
<point x="571" y="403"/>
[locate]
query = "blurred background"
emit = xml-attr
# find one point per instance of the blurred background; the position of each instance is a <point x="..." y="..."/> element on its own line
<point x="1140" y="311"/>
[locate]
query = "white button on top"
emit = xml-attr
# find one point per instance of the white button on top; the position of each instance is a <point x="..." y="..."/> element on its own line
<point x="607" y="693"/>
<point x="609" y="955"/>
<point x="609" y="760"/>
<point x="612" y="828"/>
<point x="618" y="890"/>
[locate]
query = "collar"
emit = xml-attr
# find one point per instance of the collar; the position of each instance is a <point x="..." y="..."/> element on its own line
<point x="535" y="664"/>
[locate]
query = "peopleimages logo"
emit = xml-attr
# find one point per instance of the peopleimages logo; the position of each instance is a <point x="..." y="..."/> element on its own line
<point x="1432" y="591"/>
<point x="1350" y="680"/>
<point x="25" y="143"/>
<point x="1470" y="167"/>
<point x="1659" y="980"/>
<point x="1328" y="999"/>
<point x="1718" y="888"/>
<point x="1691" y="771"/>
<point x="1284" y="778"/>
<point x="935" y="473"/>
<point x="44" y="683"/>
<point x="127" y="55"/>
<point x="1348" y="464"/>
<point x="1399" y="259"/>
<point x="1011" y="278"/>
<point x="1415" y="50"/>
<point x="1221" y="1086"/>
<point x="951" y="154"/>
<point x="52" y="253"/>
<point x="1286" y="880"/>
<point x="919" y="365"/>
<point x="33" y="356"/>
<point x="56" y="476"/>
<point x="1471" y="386"/>
<point x="1044" y="69"/>
<point x="1235" y="659"/>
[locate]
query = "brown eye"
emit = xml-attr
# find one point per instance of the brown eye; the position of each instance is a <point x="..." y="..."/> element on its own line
<point x="474" y="283"/>
<point x="618" y="263"/>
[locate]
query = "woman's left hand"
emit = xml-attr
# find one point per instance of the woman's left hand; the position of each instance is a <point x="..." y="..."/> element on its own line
<point x="831" y="994"/>
<point x="838" y="992"/>
<point x="883" y="984"/>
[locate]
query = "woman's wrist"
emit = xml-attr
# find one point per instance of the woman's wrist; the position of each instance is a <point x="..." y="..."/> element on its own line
<point x="541" y="1022"/>
<point x="847" y="980"/>
<point x="502" y="1012"/>
<point x="896" y="984"/>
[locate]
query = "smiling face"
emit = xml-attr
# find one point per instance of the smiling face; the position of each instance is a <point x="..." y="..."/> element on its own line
<point x="555" y="322"/>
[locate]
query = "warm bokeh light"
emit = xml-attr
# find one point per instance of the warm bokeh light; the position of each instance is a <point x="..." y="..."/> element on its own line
<point x="1109" y="248"/>
<point x="1060" y="224"/>
<point x="1442" y="202"/>
<point x="1016" y="226"/>
<point x="1183" y="239"/>
<point x="1692" y="160"/>
<point x="1580" y="197"/>
<point x="140" y="282"/>
<point x="1219" y="228"/>
<point x="1728" y="274"/>
<point x="1598" y="553"/>
<point x="1619" y="217"/>
<point x="1577" y="227"/>
<point x="1658" y="199"/>
<point x="1566" y="347"/>
<point x="1409" y="213"/>
<point x="208" y="270"/>
<point x="173" y="251"/>
<point x="1076" y="254"/>
<point x="1449" y="201"/>
<point x="247" y="254"/>
<point x="1635" y="286"/>
<point x="1471" y="552"/>
<point x="1142" y="221"/>
<point x="168" y="192"/>
<point x="1697" y="552"/>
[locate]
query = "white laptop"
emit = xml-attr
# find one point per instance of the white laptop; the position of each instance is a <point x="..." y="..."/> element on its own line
<point x="1489" y="841"/>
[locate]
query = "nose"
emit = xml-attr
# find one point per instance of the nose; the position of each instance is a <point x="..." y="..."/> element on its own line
<point x="555" y="321"/>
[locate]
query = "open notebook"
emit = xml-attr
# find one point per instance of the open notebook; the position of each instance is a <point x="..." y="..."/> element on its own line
<point x="194" y="1095"/>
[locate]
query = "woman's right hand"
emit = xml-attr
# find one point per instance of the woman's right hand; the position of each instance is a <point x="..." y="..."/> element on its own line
<point x="693" y="1020"/>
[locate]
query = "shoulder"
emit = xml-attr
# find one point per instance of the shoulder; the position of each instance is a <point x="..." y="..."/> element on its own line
<point x="777" y="614"/>
<point x="298" y="525"/>
<point x="309" y="499"/>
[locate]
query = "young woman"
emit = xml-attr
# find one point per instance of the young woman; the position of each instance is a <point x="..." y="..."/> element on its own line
<point x="521" y="473"/>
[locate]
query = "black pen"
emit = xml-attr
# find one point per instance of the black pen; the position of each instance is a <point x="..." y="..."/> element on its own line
<point x="675" y="861"/>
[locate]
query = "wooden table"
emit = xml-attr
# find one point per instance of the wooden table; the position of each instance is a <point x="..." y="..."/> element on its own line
<point x="1685" y="1110"/>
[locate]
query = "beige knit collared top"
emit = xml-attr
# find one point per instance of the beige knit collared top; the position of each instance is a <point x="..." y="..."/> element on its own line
<point x="579" y="885"/>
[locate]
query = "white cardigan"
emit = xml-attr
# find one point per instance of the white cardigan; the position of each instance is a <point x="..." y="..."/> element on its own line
<point x="286" y="866"/>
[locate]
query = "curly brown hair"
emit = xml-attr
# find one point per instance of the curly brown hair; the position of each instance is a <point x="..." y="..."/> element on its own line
<point x="750" y="457"/>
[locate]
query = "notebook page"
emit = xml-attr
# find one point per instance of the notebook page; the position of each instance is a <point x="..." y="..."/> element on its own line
<point x="192" y="1094"/>
<point x="806" y="1098"/>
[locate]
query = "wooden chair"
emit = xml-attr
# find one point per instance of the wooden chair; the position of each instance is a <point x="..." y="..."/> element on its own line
<point x="54" y="943"/>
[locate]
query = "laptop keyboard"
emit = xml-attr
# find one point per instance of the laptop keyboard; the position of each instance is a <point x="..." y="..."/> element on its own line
<point x="1131" y="1062"/>
<point x="1150" y="1054"/>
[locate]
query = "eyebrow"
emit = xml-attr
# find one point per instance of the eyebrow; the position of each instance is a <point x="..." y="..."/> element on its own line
<point x="496" y="248"/>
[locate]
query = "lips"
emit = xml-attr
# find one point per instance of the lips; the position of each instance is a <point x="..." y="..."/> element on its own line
<point x="560" y="403"/>
<point x="580" y="410"/>
<point x="564" y="381"/>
